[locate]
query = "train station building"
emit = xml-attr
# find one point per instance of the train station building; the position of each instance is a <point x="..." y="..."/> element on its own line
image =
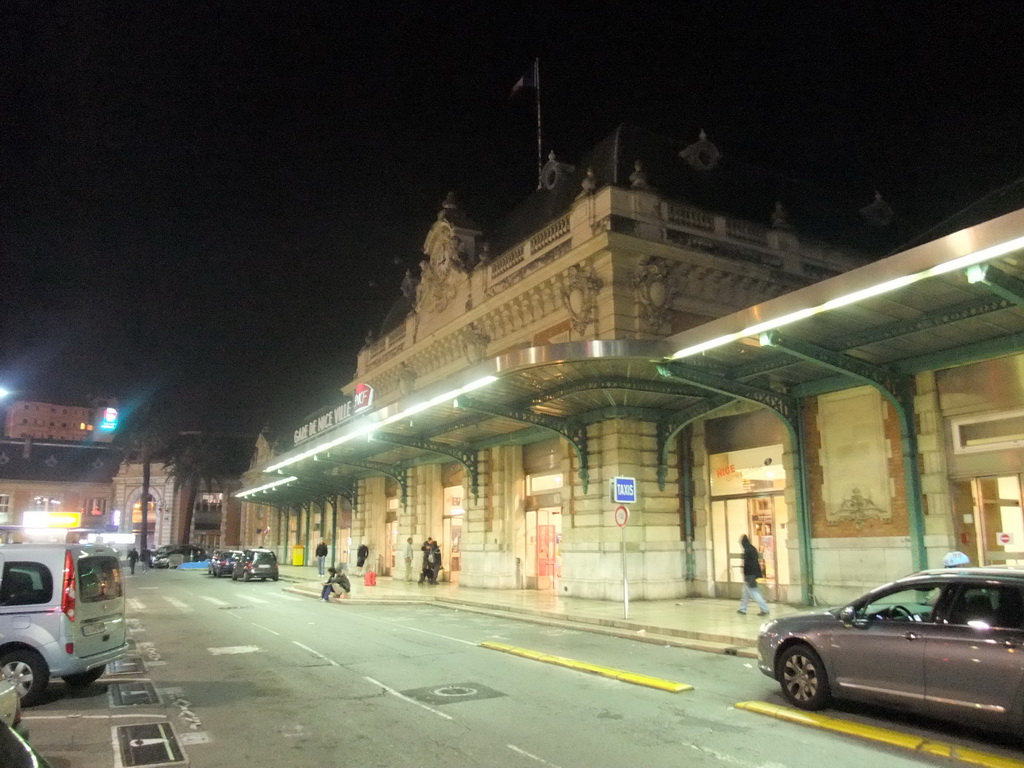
<point x="734" y="343"/>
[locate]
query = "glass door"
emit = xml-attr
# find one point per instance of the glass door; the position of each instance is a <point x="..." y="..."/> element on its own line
<point x="994" y="524"/>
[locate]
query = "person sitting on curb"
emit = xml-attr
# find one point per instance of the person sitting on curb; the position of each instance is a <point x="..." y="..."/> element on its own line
<point x="337" y="583"/>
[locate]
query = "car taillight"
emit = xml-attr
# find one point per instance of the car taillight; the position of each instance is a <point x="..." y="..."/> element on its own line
<point x="67" y="600"/>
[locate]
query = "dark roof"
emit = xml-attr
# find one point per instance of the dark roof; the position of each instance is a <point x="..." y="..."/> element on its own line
<point x="58" y="462"/>
<point x="732" y="187"/>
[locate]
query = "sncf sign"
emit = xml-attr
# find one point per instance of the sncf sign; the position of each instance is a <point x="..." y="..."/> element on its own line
<point x="361" y="400"/>
<point x="363" y="397"/>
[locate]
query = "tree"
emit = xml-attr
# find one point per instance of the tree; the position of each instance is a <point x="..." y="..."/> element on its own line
<point x="201" y="461"/>
<point x="145" y="433"/>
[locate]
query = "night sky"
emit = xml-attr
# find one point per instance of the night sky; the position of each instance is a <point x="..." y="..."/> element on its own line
<point x="210" y="204"/>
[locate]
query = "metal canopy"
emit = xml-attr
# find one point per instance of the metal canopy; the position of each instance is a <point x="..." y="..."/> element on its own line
<point x="879" y="324"/>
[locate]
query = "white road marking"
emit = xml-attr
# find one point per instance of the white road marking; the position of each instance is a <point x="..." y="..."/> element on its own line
<point x="524" y="753"/>
<point x="252" y="599"/>
<point x="135" y="605"/>
<point x="183" y="607"/>
<point x="79" y="716"/>
<point x="268" y="629"/>
<point x="214" y="600"/>
<point x="402" y="696"/>
<point x="291" y="598"/>
<point x="232" y="649"/>
<point x="411" y="629"/>
<point x="318" y="655"/>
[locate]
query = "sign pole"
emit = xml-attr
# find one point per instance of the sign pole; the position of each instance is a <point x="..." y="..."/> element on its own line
<point x="621" y="518"/>
<point x="625" y="583"/>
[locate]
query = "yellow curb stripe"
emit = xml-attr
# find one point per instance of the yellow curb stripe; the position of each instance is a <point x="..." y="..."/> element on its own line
<point x="884" y="735"/>
<point x="581" y="666"/>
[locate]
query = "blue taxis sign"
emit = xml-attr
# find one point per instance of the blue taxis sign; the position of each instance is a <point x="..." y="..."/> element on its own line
<point x="624" y="490"/>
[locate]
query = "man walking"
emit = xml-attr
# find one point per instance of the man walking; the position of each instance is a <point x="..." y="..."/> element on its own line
<point x="321" y="556"/>
<point x="407" y="556"/>
<point x="133" y="558"/>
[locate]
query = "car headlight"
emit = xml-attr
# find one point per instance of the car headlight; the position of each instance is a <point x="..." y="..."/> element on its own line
<point x="766" y="626"/>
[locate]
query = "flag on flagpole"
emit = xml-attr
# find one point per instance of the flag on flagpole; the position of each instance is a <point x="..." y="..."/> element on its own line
<point x="528" y="80"/>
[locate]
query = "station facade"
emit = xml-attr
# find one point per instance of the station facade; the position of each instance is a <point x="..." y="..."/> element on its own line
<point x="663" y="313"/>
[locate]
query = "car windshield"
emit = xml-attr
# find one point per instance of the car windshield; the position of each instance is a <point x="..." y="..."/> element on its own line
<point x="915" y="604"/>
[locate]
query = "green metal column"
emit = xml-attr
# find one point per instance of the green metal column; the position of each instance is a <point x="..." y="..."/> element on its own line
<point x="803" y="506"/>
<point x="686" y="482"/>
<point x="903" y="404"/>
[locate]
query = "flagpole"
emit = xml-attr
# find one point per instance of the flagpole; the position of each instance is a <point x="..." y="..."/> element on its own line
<point x="540" y="152"/>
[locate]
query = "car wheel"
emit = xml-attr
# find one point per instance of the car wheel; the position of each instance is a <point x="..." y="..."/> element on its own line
<point x="246" y="577"/>
<point x="275" y="578"/>
<point x="82" y="679"/>
<point x="802" y="677"/>
<point x="28" y="672"/>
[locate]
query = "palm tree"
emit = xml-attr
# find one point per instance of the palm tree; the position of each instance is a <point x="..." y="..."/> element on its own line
<point x="200" y="461"/>
<point x="146" y="436"/>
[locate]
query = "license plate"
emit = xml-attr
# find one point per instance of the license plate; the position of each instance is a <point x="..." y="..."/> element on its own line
<point x="93" y="629"/>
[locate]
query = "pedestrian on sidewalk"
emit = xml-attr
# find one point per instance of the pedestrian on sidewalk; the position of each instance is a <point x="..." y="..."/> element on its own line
<point x="751" y="573"/>
<point x="407" y="556"/>
<point x="425" y="568"/>
<point x="133" y="558"/>
<point x="435" y="562"/>
<point x="361" y="554"/>
<point x="321" y="556"/>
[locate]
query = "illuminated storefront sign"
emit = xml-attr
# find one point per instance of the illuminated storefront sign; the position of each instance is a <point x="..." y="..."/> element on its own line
<point x="109" y="421"/>
<point x="41" y="518"/>
<point x="328" y="419"/>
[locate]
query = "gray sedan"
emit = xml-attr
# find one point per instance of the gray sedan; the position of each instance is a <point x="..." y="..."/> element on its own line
<point x="945" y="643"/>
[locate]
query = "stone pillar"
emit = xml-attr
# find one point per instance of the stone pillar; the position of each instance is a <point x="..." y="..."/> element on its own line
<point x="488" y="539"/>
<point x="592" y="542"/>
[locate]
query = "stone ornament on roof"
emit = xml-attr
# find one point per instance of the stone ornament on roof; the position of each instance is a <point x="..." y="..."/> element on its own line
<point x="638" y="178"/>
<point x="588" y="185"/>
<point x="702" y="154"/>
<point x="878" y="213"/>
<point x="409" y="285"/>
<point x="450" y="248"/>
<point x="554" y="173"/>
<point x="780" y="217"/>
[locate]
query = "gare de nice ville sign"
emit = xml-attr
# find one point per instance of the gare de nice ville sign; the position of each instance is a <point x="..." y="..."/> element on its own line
<point x="362" y="400"/>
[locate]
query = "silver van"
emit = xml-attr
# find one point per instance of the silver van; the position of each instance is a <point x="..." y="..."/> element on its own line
<point x="61" y="614"/>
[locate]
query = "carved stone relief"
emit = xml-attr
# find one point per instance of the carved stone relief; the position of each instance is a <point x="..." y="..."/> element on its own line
<point x="579" y="296"/>
<point x="474" y="343"/>
<point x="654" y="290"/>
<point x="406" y="379"/>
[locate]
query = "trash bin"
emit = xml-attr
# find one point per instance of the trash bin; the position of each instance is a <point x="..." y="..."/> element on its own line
<point x="298" y="555"/>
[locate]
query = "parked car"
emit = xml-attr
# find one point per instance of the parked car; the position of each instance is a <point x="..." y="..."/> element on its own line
<point x="10" y="704"/>
<point x="945" y="643"/>
<point x="256" y="564"/>
<point x="62" y="614"/>
<point x="223" y="562"/>
<point x="16" y="752"/>
<point x="190" y="553"/>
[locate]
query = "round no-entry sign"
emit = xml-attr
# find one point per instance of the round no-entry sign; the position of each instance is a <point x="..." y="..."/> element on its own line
<point x="621" y="516"/>
<point x="1004" y="538"/>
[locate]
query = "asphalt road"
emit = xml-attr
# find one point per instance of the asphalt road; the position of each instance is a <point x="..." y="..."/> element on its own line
<point x="230" y="674"/>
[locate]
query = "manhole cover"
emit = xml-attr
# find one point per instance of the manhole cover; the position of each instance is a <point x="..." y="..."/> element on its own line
<point x="129" y="665"/>
<point x="133" y="694"/>
<point x="149" y="744"/>
<point x="452" y="693"/>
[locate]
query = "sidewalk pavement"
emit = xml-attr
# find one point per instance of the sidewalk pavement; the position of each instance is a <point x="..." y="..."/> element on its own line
<point x="698" y="623"/>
